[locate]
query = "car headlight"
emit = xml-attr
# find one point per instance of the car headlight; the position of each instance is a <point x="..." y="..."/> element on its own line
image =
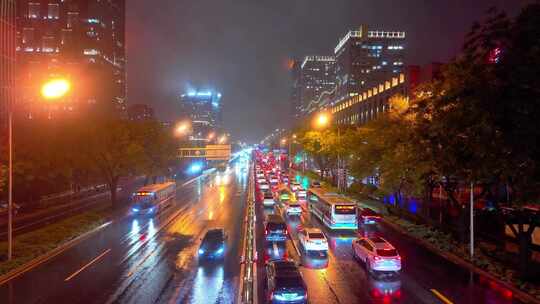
<point x="220" y="250"/>
<point x="135" y="209"/>
<point x="201" y="251"/>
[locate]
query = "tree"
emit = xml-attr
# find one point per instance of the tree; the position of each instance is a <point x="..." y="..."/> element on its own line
<point x="159" y="148"/>
<point x="110" y="149"/>
<point x="319" y="145"/>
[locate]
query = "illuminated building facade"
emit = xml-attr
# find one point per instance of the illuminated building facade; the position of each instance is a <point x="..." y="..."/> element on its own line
<point x="317" y="77"/>
<point x="7" y="59"/>
<point x="366" y="57"/>
<point x="204" y="110"/>
<point x="82" y="40"/>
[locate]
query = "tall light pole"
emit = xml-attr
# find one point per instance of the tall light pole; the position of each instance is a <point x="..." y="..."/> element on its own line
<point x="321" y="121"/>
<point x="53" y="89"/>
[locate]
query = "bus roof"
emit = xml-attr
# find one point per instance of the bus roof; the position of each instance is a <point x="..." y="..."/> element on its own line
<point x="155" y="187"/>
<point x="331" y="197"/>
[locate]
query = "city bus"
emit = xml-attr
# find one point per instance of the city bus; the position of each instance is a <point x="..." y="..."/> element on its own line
<point x="334" y="210"/>
<point x="151" y="199"/>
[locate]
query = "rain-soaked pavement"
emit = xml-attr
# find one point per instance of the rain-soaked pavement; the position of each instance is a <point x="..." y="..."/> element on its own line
<point x="336" y="277"/>
<point x="148" y="260"/>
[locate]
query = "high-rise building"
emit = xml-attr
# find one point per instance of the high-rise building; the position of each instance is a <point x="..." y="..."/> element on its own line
<point x="139" y="112"/>
<point x="7" y="58"/>
<point x="317" y="77"/>
<point x="366" y="58"/>
<point x="204" y="110"/>
<point x="295" y="101"/>
<point x="82" y="40"/>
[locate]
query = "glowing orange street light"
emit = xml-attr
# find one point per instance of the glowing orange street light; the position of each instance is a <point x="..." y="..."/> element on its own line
<point x="222" y="139"/>
<point x="55" y="88"/>
<point x="182" y="128"/>
<point x="283" y="141"/>
<point x="322" y="120"/>
<point x="211" y="135"/>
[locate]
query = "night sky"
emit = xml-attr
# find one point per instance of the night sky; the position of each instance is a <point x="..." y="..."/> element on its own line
<point x="241" y="47"/>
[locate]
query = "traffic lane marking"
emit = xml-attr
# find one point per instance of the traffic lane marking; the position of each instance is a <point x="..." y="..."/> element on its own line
<point x="441" y="296"/>
<point x="87" y="265"/>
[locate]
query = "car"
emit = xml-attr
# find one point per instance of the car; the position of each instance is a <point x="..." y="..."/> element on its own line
<point x="268" y="199"/>
<point x="4" y="208"/>
<point x="368" y="216"/>
<point x="313" y="239"/>
<point x="301" y="194"/>
<point x="284" y="283"/>
<point x="213" y="244"/>
<point x="315" y="184"/>
<point x="377" y="254"/>
<point x="293" y="208"/>
<point x="274" y="179"/>
<point x="295" y="186"/>
<point x="284" y="196"/>
<point x="275" y="228"/>
<point x="261" y="180"/>
<point x="264" y="186"/>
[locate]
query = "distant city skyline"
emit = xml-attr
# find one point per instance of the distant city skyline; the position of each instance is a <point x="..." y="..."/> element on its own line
<point x="245" y="48"/>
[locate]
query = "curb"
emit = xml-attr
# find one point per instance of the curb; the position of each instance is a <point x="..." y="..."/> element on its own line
<point x="518" y="293"/>
<point x="49" y="255"/>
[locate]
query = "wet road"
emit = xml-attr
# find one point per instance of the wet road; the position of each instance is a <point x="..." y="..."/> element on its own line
<point x="338" y="278"/>
<point x="148" y="260"/>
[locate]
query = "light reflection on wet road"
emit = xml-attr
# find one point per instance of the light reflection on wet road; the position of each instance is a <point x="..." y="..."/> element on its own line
<point x="337" y="277"/>
<point x="149" y="260"/>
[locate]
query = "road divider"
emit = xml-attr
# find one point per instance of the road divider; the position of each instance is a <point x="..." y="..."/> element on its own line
<point x="87" y="265"/>
<point x="248" y="288"/>
<point x="441" y="297"/>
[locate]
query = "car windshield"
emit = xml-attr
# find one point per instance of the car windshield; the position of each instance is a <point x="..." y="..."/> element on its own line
<point x="276" y="226"/>
<point x="387" y="252"/>
<point x="345" y="209"/>
<point x="316" y="235"/>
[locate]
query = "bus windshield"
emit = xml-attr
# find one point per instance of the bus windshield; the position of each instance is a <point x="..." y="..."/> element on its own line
<point x="345" y="209"/>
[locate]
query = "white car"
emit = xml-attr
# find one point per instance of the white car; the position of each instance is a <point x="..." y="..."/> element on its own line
<point x="264" y="186"/>
<point x="377" y="254"/>
<point x="313" y="239"/>
<point x="274" y="180"/>
<point x="295" y="186"/>
<point x="268" y="199"/>
<point x="301" y="194"/>
<point x="293" y="208"/>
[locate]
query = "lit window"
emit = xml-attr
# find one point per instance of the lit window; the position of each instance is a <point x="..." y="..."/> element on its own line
<point x="72" y="19"/>
<point x="28" y="35"/>
<point x="53" y="11"/>
<point x="33" y="10"/>
<point x="48" y="44"/>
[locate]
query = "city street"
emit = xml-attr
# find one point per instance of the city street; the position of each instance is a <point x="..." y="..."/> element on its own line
<point x="339" y="278"/>
<point x="148" y="260"/>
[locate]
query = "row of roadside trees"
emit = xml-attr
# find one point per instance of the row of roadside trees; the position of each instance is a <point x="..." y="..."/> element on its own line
<point x="478" y="124"/>
<point x="68" y="153"/>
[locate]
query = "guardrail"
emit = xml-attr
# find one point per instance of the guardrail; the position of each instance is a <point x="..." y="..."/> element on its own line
<point x="249" y="260"/>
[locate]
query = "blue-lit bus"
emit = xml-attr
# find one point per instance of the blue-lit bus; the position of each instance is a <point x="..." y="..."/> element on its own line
<point x="334" y="210"/>
<point x="151" y="199"/>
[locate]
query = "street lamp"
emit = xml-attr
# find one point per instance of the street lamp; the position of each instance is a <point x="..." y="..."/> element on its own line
<point x="321" y="121"/>
<point x="182" y="128"/>
<point x="53" y="89"/>
<point x="222" y="139"/>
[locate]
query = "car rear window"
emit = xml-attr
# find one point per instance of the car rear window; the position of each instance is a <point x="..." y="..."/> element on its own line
<point x="276" y="226"/>
<point x="387" y="252"/>
<point x="268" y="195"/>
<point x="289" y="282"/>
<point x="316" y="235"/>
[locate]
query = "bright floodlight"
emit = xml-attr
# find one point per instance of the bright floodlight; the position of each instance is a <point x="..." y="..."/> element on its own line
<point x="55" y="88"/>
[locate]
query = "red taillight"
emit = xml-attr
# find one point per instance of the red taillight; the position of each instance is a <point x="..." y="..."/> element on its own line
<point x="265" y="231"/>
<point x="398" y="257"/>
<point x="377" y="258"/>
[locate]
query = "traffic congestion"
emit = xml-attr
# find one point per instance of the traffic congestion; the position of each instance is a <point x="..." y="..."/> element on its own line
<point x="318" y="246"/>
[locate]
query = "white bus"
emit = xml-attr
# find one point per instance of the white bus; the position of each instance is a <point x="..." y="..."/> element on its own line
<point x="153" y="198"/>
<point x="334" y="210"/>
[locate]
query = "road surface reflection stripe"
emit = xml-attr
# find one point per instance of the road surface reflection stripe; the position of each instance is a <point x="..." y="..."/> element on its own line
<point x="87" y="265"/>
<point x="134" y="269"/>
<point x="441" y="297"/>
